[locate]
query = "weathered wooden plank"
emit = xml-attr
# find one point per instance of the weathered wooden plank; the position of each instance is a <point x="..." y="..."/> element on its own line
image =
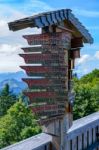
<point x="75" y="53"/>
<point x="41" y="94"/>
<point x="44" y="21"/>
<point x="54" y="88"/>
<point x="45" y="71"/>
<point x="49" y="38"/>
<point x="94" y="136"/>
<point x="80" y="142"/>
<point x="56" y="84"/>
<point x="62" y="15"/>
<point x="65" y="14"/>
<point x="98" y="136"/>
<point x="45" y="94"/>
<point x="63" y="43"/>
<point x="57" y="88"/>
<point x="32" y="49"/>
<point x="46" y="48"/>
<point x="93" y="146"/>
<point x="90" y="136"/>
<point x="49" y="19"/>
<point x="81" y="125"/>
<point x="48" y="100"/>
<point x="85" y="140"/>
<point x="46" y="59"/>
<point x="39" y="23"/>
<point x="37" y="142"/>
<point x="54" y="19"/>
<point x="47" y="110"/>
<point x="71" y="64"/>
<point x="44" y="81"/>
<point x="58" y="16"/>
<point x="47" y="74"/>
<point x="76" y="42"/>
<point x="80" y="27"/>
<point x="74" y="143"/>
<point x="49" y="120"/>
<point x="67" y="145"/>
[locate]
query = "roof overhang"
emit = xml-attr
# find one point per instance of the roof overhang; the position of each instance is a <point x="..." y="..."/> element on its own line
<point x="50" y="18"/>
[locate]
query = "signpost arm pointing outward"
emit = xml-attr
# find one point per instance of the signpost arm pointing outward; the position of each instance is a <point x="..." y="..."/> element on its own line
<point x="51" y="93"/>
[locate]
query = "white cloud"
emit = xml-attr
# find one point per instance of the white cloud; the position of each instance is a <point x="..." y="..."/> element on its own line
<point x="87" y="63"/>
<point x="86" y="13"/>
<point x="83" y="59"/>
<point x="97" y="54"/>
<point x="11" y="42"/>
<point x="82" y="70"/>
<point x="9" y="49"/>
<point x="9" y="58"/>
<point x="8" y="14"/>
<point x="4" y="31"/>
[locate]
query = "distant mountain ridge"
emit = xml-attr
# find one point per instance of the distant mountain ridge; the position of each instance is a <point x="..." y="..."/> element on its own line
<point x="13" y="75"/>
<point x="16" y="87"/>
<point x="14" y="81"/>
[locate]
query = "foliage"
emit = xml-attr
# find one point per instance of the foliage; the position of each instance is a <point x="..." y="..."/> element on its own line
<point x="87" y="94"/>
<point x="7" y="99"/>
<point x="30" y="131"/>
<point x="23" y="98"/>
<point x="19" y="123"/>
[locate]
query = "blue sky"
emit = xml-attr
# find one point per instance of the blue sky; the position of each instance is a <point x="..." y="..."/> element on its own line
<point x="10" y="42"/>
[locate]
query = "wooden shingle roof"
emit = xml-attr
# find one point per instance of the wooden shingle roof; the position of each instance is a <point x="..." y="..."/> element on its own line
<point x="50" y="18"/>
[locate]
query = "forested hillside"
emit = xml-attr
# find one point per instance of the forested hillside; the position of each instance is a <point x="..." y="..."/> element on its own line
<point x="87" y="94"/>
<point x="17" y="122"/>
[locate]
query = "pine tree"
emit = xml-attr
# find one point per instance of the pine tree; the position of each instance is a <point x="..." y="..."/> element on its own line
<point x="7" y="99"/>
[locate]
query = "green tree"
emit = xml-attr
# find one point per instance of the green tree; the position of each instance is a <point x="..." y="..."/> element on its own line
<point x="83" y="94"/>
<point x="7" y="99"/>
<point x="6" y="90"/>
<point x="19" y="123"/>
<point x="23" y="98"/>
<point x="87" y="94"/>
<point x="93" y="102"/>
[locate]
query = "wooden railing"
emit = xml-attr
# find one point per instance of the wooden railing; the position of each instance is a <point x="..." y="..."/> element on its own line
<point x="39" y="142"/>
<point x="83" y="135"/>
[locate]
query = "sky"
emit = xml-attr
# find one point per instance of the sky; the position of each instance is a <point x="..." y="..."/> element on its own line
<point x="11" y="42"/>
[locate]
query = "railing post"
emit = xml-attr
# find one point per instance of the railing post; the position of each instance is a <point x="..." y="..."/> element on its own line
<point x="80" y="142"/>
